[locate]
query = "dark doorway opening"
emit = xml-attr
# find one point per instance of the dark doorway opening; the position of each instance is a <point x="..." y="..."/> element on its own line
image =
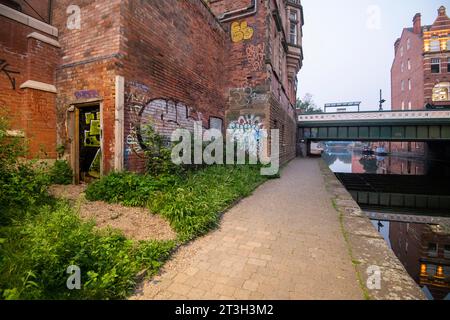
<point x="89" y="143"/>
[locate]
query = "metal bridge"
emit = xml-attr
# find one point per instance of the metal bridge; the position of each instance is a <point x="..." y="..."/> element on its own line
<point x="411" y="125"/>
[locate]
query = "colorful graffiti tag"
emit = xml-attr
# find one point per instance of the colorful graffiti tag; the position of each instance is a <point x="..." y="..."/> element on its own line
<point x="248" y="130"/>
<point x="240" y="31"/>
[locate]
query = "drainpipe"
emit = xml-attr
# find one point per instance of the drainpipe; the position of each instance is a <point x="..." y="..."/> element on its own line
<point x="50" y="7"/>
<point x="255" y="9"/>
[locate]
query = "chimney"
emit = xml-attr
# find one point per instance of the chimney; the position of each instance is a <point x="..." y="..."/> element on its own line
<point x="417" y="23"/>
<point x="396" y="44"/>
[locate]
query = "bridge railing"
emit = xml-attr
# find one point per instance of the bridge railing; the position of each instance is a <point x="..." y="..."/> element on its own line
<point x="375" y="115"/>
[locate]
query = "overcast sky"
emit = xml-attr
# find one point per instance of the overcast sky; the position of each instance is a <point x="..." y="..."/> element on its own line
<point x="349" y="50"/>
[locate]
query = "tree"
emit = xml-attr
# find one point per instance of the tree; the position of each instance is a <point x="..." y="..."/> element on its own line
<point x="307" y="105"/>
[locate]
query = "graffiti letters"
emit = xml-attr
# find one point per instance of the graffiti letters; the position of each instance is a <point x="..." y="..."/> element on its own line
<point x="248" y="129"/>
<point x="255" y="56"/>
<point x="241" y="31"/>
<point x="5" y="68"/>
<point x="87" y="94"/>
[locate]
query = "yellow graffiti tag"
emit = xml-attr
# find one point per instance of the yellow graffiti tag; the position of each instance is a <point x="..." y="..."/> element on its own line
<point x="241" y="31"/>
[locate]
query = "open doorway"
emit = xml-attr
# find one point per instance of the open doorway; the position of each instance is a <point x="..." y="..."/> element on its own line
<point x="88" y="143"/>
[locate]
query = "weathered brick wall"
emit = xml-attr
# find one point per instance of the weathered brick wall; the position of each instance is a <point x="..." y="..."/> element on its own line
<point x="29" y="110"/>
<point x="90" y="60"/>
<point x="174" y="71"/>
<point x="257" y="69"/>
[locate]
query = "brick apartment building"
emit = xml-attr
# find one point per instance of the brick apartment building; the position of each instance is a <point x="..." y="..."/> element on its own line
<point x="89" y="75"/>
<point x="420" y="74"/>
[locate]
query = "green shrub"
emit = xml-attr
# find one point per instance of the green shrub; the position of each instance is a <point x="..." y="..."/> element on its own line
<point x="128" y="188"/>
<point x="36" y="254"/>
<point x="191" y="204"/>
<point x="21" y="186"/>
<point x="194" y="206"/>
<point x="61" y="173"/>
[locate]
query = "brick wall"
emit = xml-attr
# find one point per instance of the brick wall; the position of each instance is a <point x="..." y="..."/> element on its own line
<point x="29" y="110"/>
<point x="413" y="73"/>
<point x="89" y="62"/>
<point x="259" y="96"/>
<point x="174" y="71"/>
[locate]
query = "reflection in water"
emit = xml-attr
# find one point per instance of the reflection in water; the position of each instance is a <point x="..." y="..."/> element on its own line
<point x="423" y="249"/>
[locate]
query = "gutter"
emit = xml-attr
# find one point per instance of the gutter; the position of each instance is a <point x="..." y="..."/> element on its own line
<point x="254" y="6"/>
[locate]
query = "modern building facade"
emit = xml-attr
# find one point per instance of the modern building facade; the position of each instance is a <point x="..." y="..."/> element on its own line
<point x="87" y="76"/>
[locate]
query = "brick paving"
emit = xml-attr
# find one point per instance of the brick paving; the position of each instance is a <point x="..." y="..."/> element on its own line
<point x="283" y="242"/>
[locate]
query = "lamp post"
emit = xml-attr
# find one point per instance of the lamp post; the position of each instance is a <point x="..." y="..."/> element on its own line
<point x="381" y="100"/>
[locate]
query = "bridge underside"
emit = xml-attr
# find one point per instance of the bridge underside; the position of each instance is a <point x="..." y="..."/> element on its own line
<point x="374" y="132"/>
<point x="399" y="192"/>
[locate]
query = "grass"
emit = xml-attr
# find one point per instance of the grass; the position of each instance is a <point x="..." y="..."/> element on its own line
<point x="192" y="203"/>
<point x="37" y="250"/>
<point x="42" y="238"/>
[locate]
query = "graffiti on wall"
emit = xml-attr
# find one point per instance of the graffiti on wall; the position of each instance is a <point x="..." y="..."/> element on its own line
<point x="241" y="31"/>
<point x="255" y="56"/>
<point x="87" y="94"/>
<point x="5" y="68"/>
<point x="163" y="115"/>
<point x="92" y="133"/>
<point x="248" y="130"/>
<point x="246" y="97"/>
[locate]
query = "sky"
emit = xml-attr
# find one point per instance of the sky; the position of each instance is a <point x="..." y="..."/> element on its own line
<point x="348" y="47"/>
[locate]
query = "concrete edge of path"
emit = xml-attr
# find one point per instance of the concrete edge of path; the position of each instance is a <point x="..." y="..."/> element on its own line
<point x="368" y="250"/>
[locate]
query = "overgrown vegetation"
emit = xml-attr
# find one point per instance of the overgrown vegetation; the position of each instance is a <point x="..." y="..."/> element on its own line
<point x="36" y="253"/>
<point x="40" y="237"/>
<point x="192" y="203"/>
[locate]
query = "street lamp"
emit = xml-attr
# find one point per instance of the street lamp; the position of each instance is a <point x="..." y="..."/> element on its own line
<point x="381" y="100"/>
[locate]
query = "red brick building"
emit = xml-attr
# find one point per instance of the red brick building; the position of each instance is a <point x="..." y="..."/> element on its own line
<point x="420" y="74"/>
<point x="29" y="54"/>
<point x="113" y="66"/>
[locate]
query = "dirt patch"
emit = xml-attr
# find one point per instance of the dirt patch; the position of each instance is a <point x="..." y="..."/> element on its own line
<point x="135" y="223"/>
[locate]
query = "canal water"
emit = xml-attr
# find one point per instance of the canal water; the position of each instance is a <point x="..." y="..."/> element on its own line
<point x="423" y="249"/>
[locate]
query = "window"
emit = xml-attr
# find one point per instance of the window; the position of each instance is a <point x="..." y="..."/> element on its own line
<point x="409" y="85"/>
<point x="432" y="250"/>
<point x="403" y="85"/>
<point x="431" y="269"/>
<point x="293" y="37"/>
<point x="403" y="108"/>
<point x="447" y="271"/>
<point x="401" y="51"/>
<point x="441" y="92"/>
<point x="435" y="65"/>
<point x="435" y="45"/>
<point x="409" y="106"/>
<point x="409" y="64"/>
<point x="403" y="67"/>
<point x="293" y="15"/>
<point x="408" y="44"/>
<point x="447" y="251"/>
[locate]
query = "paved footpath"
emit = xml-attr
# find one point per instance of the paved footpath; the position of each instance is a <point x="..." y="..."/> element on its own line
<point x="283" y="242"/>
